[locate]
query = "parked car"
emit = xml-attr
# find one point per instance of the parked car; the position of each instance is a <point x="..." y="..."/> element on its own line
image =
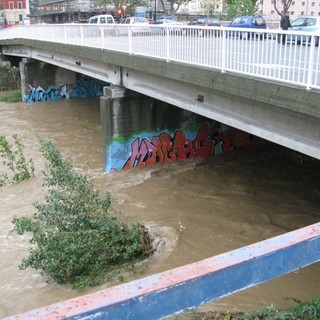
<point x="248" y="22"/>
<point x="102" y="19"/>
<point x="104" y="22"/>
<point x="160" y="25"/>
<point x="205" y="23"/>
<point x="305" y="24"/>
<point x="135" y="21"/>
<point x="138" y="24"/>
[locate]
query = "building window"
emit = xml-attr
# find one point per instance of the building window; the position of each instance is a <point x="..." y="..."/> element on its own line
<point x="312" y="13"/>
<point x="20" y="16"/>
<point x="11" y="6"/>
<point x="293" y="3"/>
<point x="302" y="3"/>
<point x="19" y="5"/>
<point x="302" y="13"/>
<point x="312" y="4"/>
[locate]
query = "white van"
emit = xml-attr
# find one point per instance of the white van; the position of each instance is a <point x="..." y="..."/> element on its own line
<point x="102" y="19"/>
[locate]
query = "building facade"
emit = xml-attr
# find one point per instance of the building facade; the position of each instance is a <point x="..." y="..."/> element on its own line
<point x="13" y="12"/>
<point x="298" y="8"/>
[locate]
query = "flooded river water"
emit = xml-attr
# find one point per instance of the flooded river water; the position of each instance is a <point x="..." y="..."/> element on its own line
<point x="198" y="208"/>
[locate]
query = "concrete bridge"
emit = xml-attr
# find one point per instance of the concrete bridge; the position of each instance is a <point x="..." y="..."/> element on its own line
<point x="222" y="86"/>
<point x="262" y="88"/>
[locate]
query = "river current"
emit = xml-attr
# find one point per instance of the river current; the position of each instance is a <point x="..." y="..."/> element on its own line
<point x="197" y="208"/>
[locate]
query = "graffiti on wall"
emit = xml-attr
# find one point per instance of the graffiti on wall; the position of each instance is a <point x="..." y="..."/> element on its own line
<point x="165" y="147"/>
<point x="83" y="88"/>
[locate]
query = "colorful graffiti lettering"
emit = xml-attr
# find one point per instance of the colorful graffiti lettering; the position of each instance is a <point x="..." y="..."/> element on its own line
<point x="165" y="148"/>
<point x="40" y="94"/>
<point x="83" y="88"/>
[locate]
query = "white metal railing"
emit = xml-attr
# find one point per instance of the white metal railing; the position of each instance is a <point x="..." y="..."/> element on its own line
<point x="247" y="51"/>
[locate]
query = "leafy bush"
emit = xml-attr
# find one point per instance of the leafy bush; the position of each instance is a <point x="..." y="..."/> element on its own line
<point x="75" y="238"/>
<point x="15" y="167"/>
<point x="9" y="78"/>
<point x="309" y="310"/>
<point x="11" y="96"/>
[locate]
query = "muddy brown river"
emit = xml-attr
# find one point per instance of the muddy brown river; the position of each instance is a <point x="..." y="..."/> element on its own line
<point x="197" y="209"/>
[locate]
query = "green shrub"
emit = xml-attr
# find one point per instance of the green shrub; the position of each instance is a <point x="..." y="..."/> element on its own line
<point x="75" y="237"/>
<point x="309" y="310"/>
<point x="9" y="78"/>
<point x="11" y="96"/>
<point x="15" y="167"/>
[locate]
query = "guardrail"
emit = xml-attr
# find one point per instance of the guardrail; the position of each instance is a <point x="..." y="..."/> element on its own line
<point x="173" y="291"/>
<point x="245" y="51"/>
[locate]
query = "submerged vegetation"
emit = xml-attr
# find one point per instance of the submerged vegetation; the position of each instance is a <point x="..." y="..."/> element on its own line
<point x="76" y="239"/>
<point x="14" y="166"/>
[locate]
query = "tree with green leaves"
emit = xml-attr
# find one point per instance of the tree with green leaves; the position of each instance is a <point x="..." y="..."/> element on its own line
<point x="76" y="238"/>
<point x="241" y="8"/>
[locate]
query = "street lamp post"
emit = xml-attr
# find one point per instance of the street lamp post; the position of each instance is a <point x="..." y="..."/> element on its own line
<point x="155" y="11"/>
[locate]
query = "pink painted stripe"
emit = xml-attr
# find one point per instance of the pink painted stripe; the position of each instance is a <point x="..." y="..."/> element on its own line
<point x="162" y="281"/>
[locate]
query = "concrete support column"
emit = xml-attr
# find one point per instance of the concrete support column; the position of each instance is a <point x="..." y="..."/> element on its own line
<point x="120" y="116"/>
<point x="24" y="85"/>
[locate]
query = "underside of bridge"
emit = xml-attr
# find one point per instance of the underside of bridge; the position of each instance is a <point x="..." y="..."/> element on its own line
<point x="288" y="116"/>
<point x="138" y="130"/>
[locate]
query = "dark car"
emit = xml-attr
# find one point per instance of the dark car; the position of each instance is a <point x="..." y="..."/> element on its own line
<point x="248" y="22"/>
<point x="205" y="23"/>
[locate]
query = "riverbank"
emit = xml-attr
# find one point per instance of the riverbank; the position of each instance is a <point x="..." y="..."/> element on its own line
<point x="11" y="96"/>
<point x="309" y="310"/>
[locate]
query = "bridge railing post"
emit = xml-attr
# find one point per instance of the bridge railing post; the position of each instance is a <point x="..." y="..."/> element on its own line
<point x="311" y="61"/>
<point x="167" y="44"/>
<point x="102" y="37"/>
<point x="52" y="33"/>
<point x="65" y="34"/>
<point x="223" y="51"/>
<point x="81" y="35"/>
<point x="130" y="40"/>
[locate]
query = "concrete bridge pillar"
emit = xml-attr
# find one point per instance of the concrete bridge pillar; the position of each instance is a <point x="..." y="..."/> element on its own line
<point x="139" y="131"/>
<point x="24" y="85"/>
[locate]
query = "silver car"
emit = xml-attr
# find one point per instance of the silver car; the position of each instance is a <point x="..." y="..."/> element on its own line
<point x="305" y="24"/>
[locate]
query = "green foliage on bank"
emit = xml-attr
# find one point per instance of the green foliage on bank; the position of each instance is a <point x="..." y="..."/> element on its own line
<point x="11" y="96"/>
<point x="75" y="237"/>
<point x="9" y="78"/>
<point x="14" y="166"/>
<point x="309" y="310"/>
